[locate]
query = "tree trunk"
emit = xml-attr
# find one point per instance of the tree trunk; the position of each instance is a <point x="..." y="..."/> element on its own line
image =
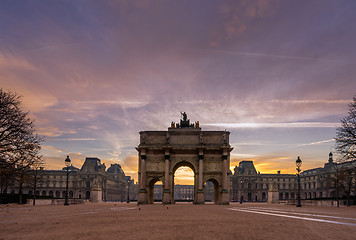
<point x="20" y="193"/>
<point x="34" y="189"/>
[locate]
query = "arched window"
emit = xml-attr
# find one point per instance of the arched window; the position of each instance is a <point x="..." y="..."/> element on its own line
<point x="44" y="193"/>
<point x="51" y="193"/>
<point x="280" y="196"/>
<point x="263" y="196"/>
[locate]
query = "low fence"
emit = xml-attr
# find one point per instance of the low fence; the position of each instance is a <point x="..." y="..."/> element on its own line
<point x="320" y="202"/>
<point x="56" y="201"/>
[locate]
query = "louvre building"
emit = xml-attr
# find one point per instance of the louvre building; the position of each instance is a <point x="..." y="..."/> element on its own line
<point x="316" y="183"/>
<point x="92" y="182"/>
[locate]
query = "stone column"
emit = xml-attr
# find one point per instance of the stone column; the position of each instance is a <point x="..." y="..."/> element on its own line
<point x="200" y="182"/>
<point x="166" y="192"/>
<point x="143" y="171"/>
<point x="142" y="194"/>
<point x="224" y="177"/>
<point x="200" y="195"/>
<point x="224" y="193"/>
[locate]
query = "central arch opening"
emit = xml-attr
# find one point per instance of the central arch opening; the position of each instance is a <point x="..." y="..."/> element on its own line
<point x="183" y="180"/>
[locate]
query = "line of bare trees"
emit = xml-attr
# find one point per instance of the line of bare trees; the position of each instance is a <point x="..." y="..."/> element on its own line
<point x="19" y="144"/>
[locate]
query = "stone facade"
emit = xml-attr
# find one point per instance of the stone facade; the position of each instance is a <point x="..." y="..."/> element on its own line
<point x="317" y="183"/>
<point x="181" y="192"/>
<point x="91" y="182"/>
<point x="161" y="153"/>
<point x="252" y="186"/>
<point x="320" y="182"/>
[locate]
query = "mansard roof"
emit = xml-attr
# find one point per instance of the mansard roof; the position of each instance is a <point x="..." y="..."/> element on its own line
<point x="115" y="168"/>
<point x="93" y="165"/>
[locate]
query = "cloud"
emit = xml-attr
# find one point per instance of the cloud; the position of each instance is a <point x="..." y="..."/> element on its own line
<point x="275" y="125"/>
<point x="12" y="62"/>
<point x="236" y="19"/>
<point x="94" y="79"/>
<point x="319" y="142"/>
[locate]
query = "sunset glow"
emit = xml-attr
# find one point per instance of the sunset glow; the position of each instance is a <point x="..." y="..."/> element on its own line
<point x="277" y="74"/>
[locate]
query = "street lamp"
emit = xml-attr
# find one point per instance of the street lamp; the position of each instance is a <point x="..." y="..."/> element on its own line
<point x="128" y="190"/>
<point x="242" y="195"/>
<point x="298" y="162"/>
<point x="67" y="162"/>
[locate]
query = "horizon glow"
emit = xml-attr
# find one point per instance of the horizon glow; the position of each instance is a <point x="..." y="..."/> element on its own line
<point x="93" y="75"/>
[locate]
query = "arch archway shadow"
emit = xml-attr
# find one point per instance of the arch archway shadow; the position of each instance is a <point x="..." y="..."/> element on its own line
<point x="152" y="195"/>
<point x="211" y="191"/>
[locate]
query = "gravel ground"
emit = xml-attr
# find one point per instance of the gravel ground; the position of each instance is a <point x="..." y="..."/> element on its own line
<point x="179" y="221"/>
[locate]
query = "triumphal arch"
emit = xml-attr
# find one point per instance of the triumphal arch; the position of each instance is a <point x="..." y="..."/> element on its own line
<point x="161" y="153"/>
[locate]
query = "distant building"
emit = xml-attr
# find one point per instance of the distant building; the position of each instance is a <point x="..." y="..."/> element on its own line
<point x="181" y="192"/>
<point x="321" y="182"/>
<point x="317" y="183"/>
<point x="112" y="184"/>
<point x="252" y="186"/>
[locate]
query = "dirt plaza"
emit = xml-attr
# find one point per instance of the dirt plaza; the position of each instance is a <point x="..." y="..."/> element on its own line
<point x="179" y="221"/>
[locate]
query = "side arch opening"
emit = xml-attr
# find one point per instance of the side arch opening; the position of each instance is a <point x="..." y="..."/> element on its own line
<point x="211" y="191"/>
<point x="155" y="190"/>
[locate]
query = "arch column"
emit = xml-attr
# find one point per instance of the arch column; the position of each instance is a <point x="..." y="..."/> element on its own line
<point x="224" y="192"/>
<point x="166" y="191"/>
<point x="200" y="194"/>
<point x="142" y="194"/>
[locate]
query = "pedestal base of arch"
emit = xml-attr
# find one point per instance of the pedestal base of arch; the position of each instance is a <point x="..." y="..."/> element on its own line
<point x="225" y="197"/>
<point x="166" y="197"/>
<point x="142" y="197"/>
<point x="200" y="197"/>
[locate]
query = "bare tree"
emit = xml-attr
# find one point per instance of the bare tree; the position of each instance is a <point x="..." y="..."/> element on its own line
<point x="346" y="147"/>
<point x="19" y="143"/>
<point x="36" y="176"/>
<point x="346" y="179"/>
<point x="346" y="134"/>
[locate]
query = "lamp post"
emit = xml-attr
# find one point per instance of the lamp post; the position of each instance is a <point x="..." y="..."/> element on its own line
<point x="128" y="190"/>
<point x="298" y="162"/>
<point x="242" y="195"/>
<point x="67" y="162"/>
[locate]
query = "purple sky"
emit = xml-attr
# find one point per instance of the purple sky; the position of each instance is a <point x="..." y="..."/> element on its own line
<point x="277" y="74"/>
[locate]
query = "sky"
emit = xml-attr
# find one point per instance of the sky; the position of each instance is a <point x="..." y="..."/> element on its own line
<point x="277" y="74"/>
